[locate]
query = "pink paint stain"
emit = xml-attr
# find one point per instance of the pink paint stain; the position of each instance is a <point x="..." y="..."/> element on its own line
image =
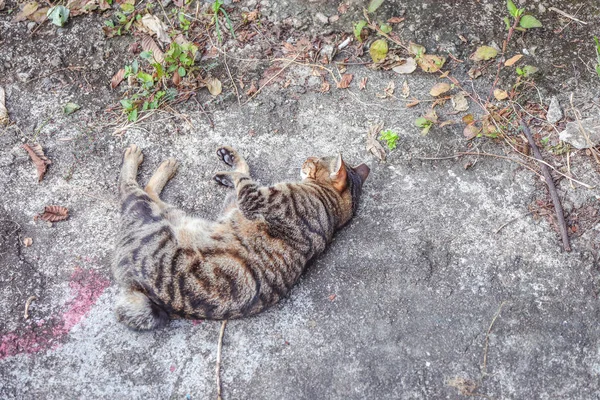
<point x="86" y="286"/>
<point x="172" y="368"/>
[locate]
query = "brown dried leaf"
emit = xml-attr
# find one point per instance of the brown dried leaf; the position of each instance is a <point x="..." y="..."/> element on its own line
<point x="373" y="145"/>
<point x="430" y="62"/>
<point x="27" y="241"/>
<point x="363" y="83"/>
<point x="324" y="86"/>
<point x="214" y="86"/>
<point x="36" y="153"/>
<point x="500" y="94"/>
<point x="459" y="102"/>
<point x="26" y="11"/>
<point x="395" y="20"/>
<point x="471" y="131"/>
<point x="474" y="72"/>
<point x="468" y="119"/>
<point x="413" y="103"/>
<point x="117" y="78"/>
<point x="511" y="61"/>
<point x="253" y="89"/>
<point x="3" y="111"/>
<point x="407" y="66"/>
<point x="54" y="214"/>
<point x="39" y="15"/>
<point x="439" y="88"/>
<point x="405" y="89"/>
<point x="148" y="44"/>
<point x="448" y="122"/>
<point x="345" y="81"/>
<point x="176" y="78"/>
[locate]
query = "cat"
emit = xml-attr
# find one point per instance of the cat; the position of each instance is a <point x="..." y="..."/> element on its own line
<point x="170" y="265"/>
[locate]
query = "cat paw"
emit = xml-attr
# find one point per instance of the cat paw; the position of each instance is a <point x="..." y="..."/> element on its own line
<point x="227" y="155"/>
<point x="223" y="179"/>
<point x="134" y="154"/>
<point x="168" y="167"/>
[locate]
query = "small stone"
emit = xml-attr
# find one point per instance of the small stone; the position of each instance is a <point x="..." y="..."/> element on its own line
<point x="554" y="113"/>
<point x="573" y="135"/>
<point x="322" y="18"/>
<point x="334" y="18"/>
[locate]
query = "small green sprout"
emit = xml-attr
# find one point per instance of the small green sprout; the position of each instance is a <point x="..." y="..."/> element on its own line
<point x="390" y="137"/>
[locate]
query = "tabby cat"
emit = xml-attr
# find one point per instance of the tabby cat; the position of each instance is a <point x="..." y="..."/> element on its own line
<point x="172" y="265"/>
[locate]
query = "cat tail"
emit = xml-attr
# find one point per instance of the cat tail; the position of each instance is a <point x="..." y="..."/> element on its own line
<point x="138" y="312"/>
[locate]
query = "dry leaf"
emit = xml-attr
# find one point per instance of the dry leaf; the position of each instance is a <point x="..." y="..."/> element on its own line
<point x="117" y="78"/>
<point x="500" y="94"/>
<point x="26" y="11"/>
<point x="176" y="78"/>
<point x="332" y="297"/>
<point x="345" y="81"/>
<point x="388" y="91"/>
<point x="156" y="26"/>
<point x="363" y="83"/>
<point x="3" y="111"/>
<point x="39" y="15"/>
<point x="2" y="5"/>
<point x="446" y="123"/>
<point x="373" y="145"/>
<point x="468" y="119"/>
<point x="148" y="44"/>
<point x="431" y="63"/>
<point x="407" y="67"/>
<point x="395" y="20"/>
<point x="53" y="214"/>
<point x="471" y="131"/>
<point x="484" y="53"/>
<point x="439" y="88"/>
<point x="513" y="60"/>
<point x="405" y="89"/>
<point x="214" y="86"/>
<point x="36" y="153"/>
<point x="324" y="86"/>
<point x="27" y="241"/>
<point x="413" y="103"/>
<point x="459" y="102"/>
<point x="474" y="73"/>
<point x="252" y="89"/>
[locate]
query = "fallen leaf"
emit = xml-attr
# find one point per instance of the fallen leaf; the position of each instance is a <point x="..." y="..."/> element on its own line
<point x="53" y="214"/>
<point x="26" y="11"/>
<point x="345" y="81"/>
<point x="214" y="86"/>
<point x="446" y="123"/>
<point x="474" y="72"/>
<point x="527" y="70"/>
<point x="373" y="145"/>
<point x="363" y="83"/>
<point x="405" y="89"/>
<point x="58" y="15"/>
<point x="3" y="111"/>
<point x="500" y="94"/>
<point x="471" y="131"/>
<point x="388" y="91"/>
<point x="2" y="5"/>
<point x="70" y="108"/>
<point x="459" y="102"/>
<point x="416" y="49"/>
<point x="27" y="241"/>
<point x="40" y="15"/>
<point x="395" y="20"/>
<point x="117" y="78"/>
<point x="468" y="119"/>
<point x="324" y="87"/>
<point x="148" y="44"/>
<point x="430" y="62"/>
<point x="439" y="88"/>
<point x="176" y="78"/>
<point x="157" y="27"/>
<point x="407" y="67"/>
<point x="378" y="50"/>
<point x="36" y="153"/>
<point x="513" y="60"/>
<point x="252" y="90"/>
<point x="374" y="5"/>
<point x="413" y="103"/>
<point x="484" y="53"/>
<point x="332" y="297"/>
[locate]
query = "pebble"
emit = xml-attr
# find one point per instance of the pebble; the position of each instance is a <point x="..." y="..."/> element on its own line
<point x="573" y="135"/>
<point x="555" y="113"/>
<point x="322" y="18"/>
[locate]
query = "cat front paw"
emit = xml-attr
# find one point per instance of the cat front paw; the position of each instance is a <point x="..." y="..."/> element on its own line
<point x="228" y="155"/>
<point x="133" y="154"/>
<point x="223" y="178"/>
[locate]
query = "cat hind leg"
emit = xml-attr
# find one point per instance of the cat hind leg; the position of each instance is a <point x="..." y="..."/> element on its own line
<point x="137" y="311"/>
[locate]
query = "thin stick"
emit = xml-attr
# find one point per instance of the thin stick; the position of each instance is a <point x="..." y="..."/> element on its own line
<point x="487" y="339"/>
<point x="564" y="14"/>
<point x="231" y="77"/>
<point x="218" y="368"/>
<point x="511" y="221"/>
<point x="27" y="305"/>
<point x="551" y="188"/>
<point x="212" y="124"/>
<point x="471" y="153"/>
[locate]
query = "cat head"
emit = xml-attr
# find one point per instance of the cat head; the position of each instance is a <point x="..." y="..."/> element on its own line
<point x="333" y="171"/>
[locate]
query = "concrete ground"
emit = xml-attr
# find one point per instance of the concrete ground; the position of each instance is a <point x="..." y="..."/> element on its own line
<point x="421" y="296"/>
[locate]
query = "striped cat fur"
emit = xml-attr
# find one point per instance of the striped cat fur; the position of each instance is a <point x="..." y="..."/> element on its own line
<point x="170" y="265"/>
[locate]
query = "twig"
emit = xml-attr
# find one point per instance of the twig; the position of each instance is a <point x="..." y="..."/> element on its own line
<point x="27" y="305"/>
<point x="212" y="124"/>
<point x="564" y="14"/>
<point x="487" y="339"/>
<point x="471" y="153"/>
<point x="218" y="368"/>
<point x="551" y="188"/>
<point x="231" y="77"/>
<point x="511" y="221"/>
<point x="270" y="79"/>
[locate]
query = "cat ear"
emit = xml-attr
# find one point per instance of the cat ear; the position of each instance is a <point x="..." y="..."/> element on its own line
<point x="339" y="176"/>
<point x="363" y="171"/>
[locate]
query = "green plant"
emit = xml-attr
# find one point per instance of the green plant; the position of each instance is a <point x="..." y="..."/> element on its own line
<point x="597" y="55"/>
<point x="390" y="137"/>
<point x="525" y="21"/>
<point x="425" y="125"/>
<point x="184" y="23"/>
<point x="217" y="8"/>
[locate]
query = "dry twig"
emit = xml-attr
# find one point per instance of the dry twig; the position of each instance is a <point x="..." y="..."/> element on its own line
<point x="27" y="305"/>
<point x="487" y="340"/>
<point x="551" y="188"/>
<point x="218" y="367"/>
